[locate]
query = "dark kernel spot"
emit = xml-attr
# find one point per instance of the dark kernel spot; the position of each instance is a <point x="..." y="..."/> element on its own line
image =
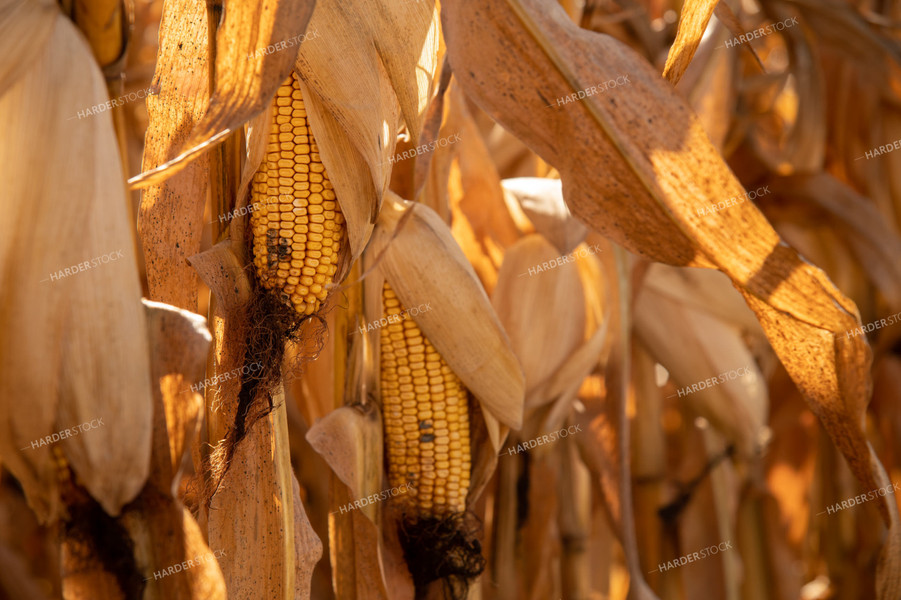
<point x="427" y="437"/>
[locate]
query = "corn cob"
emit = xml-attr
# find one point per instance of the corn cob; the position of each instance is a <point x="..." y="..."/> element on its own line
<point x="426" y="418"/>
<point x="297" y="225"/>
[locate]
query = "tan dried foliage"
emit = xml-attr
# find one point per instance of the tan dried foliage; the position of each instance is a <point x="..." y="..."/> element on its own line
<point x="74" y="346"/>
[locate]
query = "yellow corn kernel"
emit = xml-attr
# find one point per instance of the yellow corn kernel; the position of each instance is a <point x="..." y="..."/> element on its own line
<point x="287" y="209"/>
<point x="431" y="455"/>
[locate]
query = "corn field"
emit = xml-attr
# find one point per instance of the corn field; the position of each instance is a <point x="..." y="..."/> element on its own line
<point x="450" y="300"/>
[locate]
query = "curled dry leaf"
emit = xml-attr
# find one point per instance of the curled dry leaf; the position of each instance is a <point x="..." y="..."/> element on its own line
<point x="424" y="265"/>
<point x="695" y="346"/>
<point x="247" y="75"/>
<point x="660" y="175"/>
<point x="554" y="321"/>
<point x="787" y="138"/>
<point x="709" y="86"/>
<point x="86" y="324"/>
<point x="541" y="199"/>
<point x="350" y="440"/>
<point x="179" y="341"/>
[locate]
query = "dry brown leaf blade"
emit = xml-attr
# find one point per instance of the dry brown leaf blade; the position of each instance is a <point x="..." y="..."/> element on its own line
<point x="248" y="73"/>
<point x="170" y="217"/>
<point x="541" y="200"/>
<point x="692" y="23"/>
<point x="661" y="177"/>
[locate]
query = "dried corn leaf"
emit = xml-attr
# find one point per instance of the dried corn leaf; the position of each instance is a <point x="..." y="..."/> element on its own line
<point x="247" y="73"/>
<point x="37" y="19"/>
<point x="692" y="24"/>
<point x="661" y="175"/>
<point x="85" y="325"/>
<point x="179" y="342"/>
<point x="170" y="218"/>
<point x="530" y="305"/>
<point x="375" y="57"/>
<point x="875" y="243"/>
<point x="421" y="261"/>
<point x="350" y="440"/>
<point x="695" y="347"/>
<point x="257" y="514"/>
<point x="541" y="199"/>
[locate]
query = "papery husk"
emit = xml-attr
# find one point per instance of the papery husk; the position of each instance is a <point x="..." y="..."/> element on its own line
<point x="414" y="250"/>
<point x="541" y="199"/>
<point x="542" y="312"/>
<point x="74" y="347"/>
<point x="357" y="79"/>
